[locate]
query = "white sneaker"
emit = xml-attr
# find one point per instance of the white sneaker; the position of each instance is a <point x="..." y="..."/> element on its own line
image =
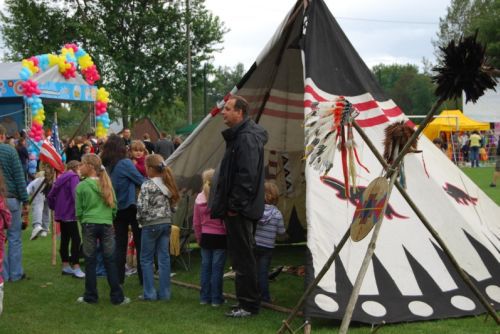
<point x="43" y="234"/>
<point x="1" y="299"/>
<point x="36" y="231"/>
<point x="78" y="273"/>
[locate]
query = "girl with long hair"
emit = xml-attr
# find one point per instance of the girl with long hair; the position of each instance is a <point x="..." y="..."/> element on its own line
<point x="125" y="179"/>
<point x="211" y="236"/>
<point x="158" y="196"/>
<point x="95" y="210"/>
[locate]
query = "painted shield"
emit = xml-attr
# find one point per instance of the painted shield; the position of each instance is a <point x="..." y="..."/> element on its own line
<point x="369" y="208"/>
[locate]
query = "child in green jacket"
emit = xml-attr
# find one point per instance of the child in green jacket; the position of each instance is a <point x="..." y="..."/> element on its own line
<point x="95" y="210"/>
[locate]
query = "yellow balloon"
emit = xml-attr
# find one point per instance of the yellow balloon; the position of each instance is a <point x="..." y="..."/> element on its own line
<point x="53" y="60"/>
<point x="30" y="65"/>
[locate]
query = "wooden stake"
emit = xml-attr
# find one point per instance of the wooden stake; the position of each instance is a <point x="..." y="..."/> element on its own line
<point x="346" y="320"/>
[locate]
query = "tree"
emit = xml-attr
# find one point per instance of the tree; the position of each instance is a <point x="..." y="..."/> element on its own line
<point x="411" y="91"/>
<point x="464" y="17"/>
<point x="139" y="45"/>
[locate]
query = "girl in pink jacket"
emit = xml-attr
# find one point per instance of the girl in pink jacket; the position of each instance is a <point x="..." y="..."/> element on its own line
<point x="211" y="236"/>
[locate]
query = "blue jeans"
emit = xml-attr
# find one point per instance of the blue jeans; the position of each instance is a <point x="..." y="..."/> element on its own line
<point x="212" y="271"/>
<point x="263" y="255"/>
<point x="104" y="233"/>
<point x="474" y="156"/>
<point x="155" y="238"/>
<point x="12" y="265"/>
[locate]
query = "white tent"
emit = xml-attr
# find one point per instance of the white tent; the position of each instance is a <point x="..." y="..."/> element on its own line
<point x="309" y="59"/>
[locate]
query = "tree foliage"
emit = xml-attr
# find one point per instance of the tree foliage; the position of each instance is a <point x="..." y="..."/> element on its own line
<point x="464" y="17"/>
<point x="140" y="46"/>
<point x="412" y="91"/>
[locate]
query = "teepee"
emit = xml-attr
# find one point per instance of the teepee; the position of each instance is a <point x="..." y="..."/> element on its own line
<point x="309" y="59"/>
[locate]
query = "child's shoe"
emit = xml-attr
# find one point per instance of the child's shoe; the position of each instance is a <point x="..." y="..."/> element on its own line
<point x="36" y="231"/>
<point x="67" y="271"/>
<point x="78" y="273"/>
<point x="44" y="234"/>
<point x="125" y="301"/>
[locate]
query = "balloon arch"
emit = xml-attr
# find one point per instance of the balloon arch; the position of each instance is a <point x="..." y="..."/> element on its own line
<point x="71" y="57"/>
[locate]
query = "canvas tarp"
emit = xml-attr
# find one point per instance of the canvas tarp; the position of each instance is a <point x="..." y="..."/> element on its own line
<point x="308" y="60"/>
<point x="453" y="121"/>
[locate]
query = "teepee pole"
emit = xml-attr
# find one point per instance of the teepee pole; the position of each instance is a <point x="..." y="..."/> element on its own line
<point x="346" y="320"/>
<point x="465" y="277"/>
<point x="314" y="283"/>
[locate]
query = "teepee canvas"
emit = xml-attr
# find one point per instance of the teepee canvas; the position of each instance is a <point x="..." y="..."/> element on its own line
<point x="309" y="60"/>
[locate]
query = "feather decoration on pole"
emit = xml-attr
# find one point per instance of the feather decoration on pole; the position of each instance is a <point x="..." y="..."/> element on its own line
<point x="328" y="127"/>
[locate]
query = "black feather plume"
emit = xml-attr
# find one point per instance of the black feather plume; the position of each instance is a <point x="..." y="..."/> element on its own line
<point x="464" y="67"/>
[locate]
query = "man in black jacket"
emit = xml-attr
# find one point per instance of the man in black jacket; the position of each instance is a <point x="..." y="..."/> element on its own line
<point x="238" y="198"/>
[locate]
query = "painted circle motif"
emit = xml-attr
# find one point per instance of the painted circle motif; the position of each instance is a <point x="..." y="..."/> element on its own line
<point x="493" y="292"/>
<point x="463" y="303"/>
<point x="374" y="309"/>
<point x="420" y="308"/>
<point x="326" y="303"/>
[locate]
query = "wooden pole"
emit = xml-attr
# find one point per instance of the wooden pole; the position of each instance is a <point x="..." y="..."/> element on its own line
<point x="465" y="277"/>
<point x="314" y="283"/>
<point x="346" y="320"/>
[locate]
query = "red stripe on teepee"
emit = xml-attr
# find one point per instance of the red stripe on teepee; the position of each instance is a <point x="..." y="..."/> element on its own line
<point x="393" y="112"/>
<point x="317" y="97"/>
<point x="368" y="105"/>
<point x="364" y="123"/>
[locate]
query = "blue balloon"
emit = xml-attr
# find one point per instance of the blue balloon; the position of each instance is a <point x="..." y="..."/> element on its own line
<point x="24" y="74"/>
<point x="80" y="53"/>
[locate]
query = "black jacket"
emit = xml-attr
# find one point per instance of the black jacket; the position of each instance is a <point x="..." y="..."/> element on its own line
<point x="239" y="185"/>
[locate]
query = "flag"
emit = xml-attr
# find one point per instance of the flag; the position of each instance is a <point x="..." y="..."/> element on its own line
<point x="54" y="139"/>
<point x="49" y="155"/>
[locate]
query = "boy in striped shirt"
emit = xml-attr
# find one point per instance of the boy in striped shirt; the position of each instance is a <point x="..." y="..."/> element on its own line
<point x="267" y="228"/>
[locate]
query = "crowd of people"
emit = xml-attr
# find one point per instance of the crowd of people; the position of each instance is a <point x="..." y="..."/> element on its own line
<point x="117" y="185"/>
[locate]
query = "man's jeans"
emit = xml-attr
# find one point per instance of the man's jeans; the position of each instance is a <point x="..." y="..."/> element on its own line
<point x="263" y="256"/>
<point x="12" y="265"/>
<point x="240" y="244"/>
<point x="156" y="238"/>
<point x="104" y="233"/>
<point x="212" y="271"/>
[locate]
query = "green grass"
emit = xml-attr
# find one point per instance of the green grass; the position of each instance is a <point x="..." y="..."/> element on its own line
<point x="45" y="303"/>
<point x="482" y="177"/>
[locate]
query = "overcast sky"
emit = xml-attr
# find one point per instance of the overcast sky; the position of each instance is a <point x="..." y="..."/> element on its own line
<point x="404" y="37"/>
<point x="382" y="31"/>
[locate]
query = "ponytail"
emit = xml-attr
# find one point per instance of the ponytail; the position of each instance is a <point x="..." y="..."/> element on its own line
<point x="207" y="176"/>
<point x="156" y="162"/>
<point x="105" y="185"/>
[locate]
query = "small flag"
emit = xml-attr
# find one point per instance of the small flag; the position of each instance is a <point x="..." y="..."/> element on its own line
<point x="49" y="155"/>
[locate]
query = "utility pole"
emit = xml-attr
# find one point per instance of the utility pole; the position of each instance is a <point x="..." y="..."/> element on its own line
<point x="205" y="107"/>
<point x="188" y="38"/>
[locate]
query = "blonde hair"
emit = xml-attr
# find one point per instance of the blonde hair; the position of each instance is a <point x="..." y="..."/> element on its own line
<point x="137" y="145"/>
<point x="104" y="181"/>
<point x="272" y="193"/>
<point x="73" y="165"/>
<point x="156" y="162"/>
<point x="48" y="172"/>
<point x="206" y="177"/>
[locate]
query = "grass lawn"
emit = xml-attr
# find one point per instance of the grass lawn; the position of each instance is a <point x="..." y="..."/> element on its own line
<point x="46" y="302"/>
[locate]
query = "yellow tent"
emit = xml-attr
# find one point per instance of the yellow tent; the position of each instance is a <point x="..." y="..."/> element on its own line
<point x="453" y="120"/>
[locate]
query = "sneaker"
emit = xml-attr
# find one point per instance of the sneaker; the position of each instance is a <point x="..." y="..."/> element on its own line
<point x="203" y="302"/>
<point x="493" y="185"/>
<point x="1" y="299"/>
<point x="239" y="313"/>
<point x="67" y="271"/>
<point x="43" y="234"/>
<point x="216" y="305"/>
<point x="81" y="300"/>
<point x="78" y="273"/>
<point x="125" y="301"/>
<point x="36" y="231"/>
